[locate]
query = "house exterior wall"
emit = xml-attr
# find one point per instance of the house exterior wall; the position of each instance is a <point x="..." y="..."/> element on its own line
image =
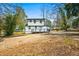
<point x="36" y="26"/>
<point x="38" y="29"/>
<point x="37" y="23"/>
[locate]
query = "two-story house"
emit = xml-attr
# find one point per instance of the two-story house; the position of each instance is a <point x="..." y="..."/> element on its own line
<point x="36" y="25"/>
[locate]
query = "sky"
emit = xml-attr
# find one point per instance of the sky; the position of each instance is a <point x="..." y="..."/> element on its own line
<point x="33" y="10"/>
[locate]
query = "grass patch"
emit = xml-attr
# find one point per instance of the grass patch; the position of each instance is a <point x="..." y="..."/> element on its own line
<point x="71" y="43"/>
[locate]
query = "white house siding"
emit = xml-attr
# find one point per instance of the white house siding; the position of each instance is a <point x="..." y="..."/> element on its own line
<point x="36" y="26"/>
<point x="38" y="29"/>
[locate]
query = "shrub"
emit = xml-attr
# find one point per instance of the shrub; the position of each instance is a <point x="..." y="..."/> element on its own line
<point x="10" y="24"/>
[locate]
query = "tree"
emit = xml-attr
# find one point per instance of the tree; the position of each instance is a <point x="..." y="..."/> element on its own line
<point x="10" y="24"/>
<point x="11" y="17"/>
<point x="63" y="21"/>
<point x="14" y="20"/>
<point x="75" y="23"/>
<point x="52" y="13"/>
<point x="72" y="9"/>
<point x="48" y="23"/>
<point x="1" y="25"/>
<point x="5" y="8"/>
<point x="20" y="18"/>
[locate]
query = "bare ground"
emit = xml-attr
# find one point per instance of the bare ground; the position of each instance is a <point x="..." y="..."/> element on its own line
<point x="38" y="44"/>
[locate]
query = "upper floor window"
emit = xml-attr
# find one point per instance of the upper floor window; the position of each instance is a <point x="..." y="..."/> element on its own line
<point x="30" y="20"/>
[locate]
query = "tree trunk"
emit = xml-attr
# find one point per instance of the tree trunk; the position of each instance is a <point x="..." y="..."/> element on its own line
<point x="0" y="32"/>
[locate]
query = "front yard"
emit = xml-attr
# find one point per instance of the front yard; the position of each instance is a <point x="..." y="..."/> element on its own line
<point x="40" y="44"/>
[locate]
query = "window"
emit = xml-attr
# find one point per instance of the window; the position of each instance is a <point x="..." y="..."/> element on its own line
<point x="40" y="21"/>
<point x="30" y="20"/>
<point x="29" y="27"/>
<point x="35" y="27"/>
<point x="34" y="21"/>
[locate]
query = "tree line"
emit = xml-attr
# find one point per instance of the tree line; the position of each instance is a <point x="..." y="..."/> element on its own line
<point x="69" y="16"/>
<point x="12" y="16"/>
<point x="65" y="15"/>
